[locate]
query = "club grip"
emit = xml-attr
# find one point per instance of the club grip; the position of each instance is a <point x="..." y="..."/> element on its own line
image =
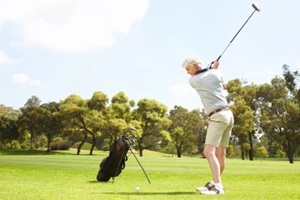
<point x="211" y="64"/>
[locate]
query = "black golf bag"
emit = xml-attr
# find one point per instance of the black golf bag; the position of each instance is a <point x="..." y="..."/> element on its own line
<point x="113" y="165"/>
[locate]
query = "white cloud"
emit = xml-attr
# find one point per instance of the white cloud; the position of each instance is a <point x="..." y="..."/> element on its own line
<point x="264" y="72"/>
<point x="264" y="75"/>
<point x="183" y="94"/>
<point x="35" y="82"/>
<point x="73" y="26"/>
<point x="20" y="78"/>
<point x="23" y="79"/>
<point x="181" y="90"/>
<point x="4" y="59"/>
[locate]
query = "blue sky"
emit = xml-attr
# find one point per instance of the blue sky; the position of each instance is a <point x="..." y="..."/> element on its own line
<point x="54" y="48"/>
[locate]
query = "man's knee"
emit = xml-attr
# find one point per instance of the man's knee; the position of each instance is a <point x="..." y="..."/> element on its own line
<point x="209" y="151"/>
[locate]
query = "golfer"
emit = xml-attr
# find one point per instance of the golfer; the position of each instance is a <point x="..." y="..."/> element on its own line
<point x="209" y="84"/>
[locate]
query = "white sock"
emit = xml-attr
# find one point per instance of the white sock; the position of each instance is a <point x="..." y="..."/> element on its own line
<point x="219" y="186"/>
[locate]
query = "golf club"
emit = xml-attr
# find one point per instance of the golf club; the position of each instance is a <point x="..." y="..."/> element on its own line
<point x="256" y="8"/>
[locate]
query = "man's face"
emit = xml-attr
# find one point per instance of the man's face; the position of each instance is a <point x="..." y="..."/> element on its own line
<point x="192" y="69"/>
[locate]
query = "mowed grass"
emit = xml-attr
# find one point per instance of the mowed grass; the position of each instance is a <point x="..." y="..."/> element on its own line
<point x="72" y="177"/>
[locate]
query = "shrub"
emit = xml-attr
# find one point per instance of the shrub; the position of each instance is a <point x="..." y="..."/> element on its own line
<point x="16" y="145"/>
<point x="85" y="146"/>
<point x="59" y="145"/>
<point x="25" y="145"/>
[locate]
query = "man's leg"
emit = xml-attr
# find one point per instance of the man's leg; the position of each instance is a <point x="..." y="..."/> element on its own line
<point x="216" y="141"/>
<point x="210" y="154"/>
<point x="221" y="156"/>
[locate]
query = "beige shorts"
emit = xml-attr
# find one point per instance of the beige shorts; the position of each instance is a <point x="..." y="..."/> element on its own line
<point x="219" y="128"/>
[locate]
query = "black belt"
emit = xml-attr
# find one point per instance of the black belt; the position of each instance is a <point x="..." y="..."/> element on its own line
<point x="218" y="110"/>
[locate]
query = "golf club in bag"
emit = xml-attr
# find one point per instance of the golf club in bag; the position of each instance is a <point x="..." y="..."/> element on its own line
<point x="256" y="8"/>
<point x="112" y="166"/>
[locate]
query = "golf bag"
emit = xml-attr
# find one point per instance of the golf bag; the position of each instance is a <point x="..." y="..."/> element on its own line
<point x="113" y="165"/>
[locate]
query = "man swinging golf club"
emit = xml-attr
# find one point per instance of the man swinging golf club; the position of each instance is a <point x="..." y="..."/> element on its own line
<point x="209" y="84"/>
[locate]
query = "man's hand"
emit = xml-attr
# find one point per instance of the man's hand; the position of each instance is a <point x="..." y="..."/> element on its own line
<point x="216" y="64"/>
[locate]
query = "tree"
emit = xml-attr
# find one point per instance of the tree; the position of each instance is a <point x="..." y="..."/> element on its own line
<point x="186" y="128"/>
<point x="244" y="120"/>
<point x="9" y="112"/>
<point x="97" y="107"/>
<point x="280" y="115"/>
<point x="154" y="122"/>
<point x="244" y="124"/>
<point x="8" y="126"/>
<point x="83" y="116"/>
<point x="28" y="121"/>
<point x="280" y="154"/>
<point x="113" y="128"/>
<point x="230" y="151"/>
<point x="8" y="131"/>
<point x="50" y="121"/>
<point x="121" y="106"/>
<point x="262" y="152"/>
<point x="118" y="118"/>
<point x="293" y="108"/>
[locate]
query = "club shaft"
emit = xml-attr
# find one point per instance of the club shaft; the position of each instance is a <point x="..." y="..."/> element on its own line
<point x="140" y="166"/>
<point x="236" y="35"/>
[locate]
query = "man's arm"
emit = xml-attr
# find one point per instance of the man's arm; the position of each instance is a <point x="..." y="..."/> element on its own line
<point x="216" y="64"/>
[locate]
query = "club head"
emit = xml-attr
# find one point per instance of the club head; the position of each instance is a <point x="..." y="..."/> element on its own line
<point x="256" y="7"/>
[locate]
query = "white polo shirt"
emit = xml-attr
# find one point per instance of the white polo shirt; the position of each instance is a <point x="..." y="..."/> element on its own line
<point x="209" y="86"/>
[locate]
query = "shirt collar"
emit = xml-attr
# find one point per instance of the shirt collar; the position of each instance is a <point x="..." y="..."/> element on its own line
<point x="202" y="70"/>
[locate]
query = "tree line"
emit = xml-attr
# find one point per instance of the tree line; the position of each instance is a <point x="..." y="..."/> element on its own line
<point x="266" y="116"/>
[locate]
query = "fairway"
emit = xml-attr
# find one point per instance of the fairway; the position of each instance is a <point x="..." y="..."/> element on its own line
<point x="74" y="177"/>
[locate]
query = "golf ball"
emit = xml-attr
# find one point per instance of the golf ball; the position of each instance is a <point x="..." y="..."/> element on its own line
<point x="137" y="188"/>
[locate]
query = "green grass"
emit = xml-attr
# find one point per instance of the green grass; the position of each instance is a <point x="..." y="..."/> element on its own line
<point x="66" y="176"/>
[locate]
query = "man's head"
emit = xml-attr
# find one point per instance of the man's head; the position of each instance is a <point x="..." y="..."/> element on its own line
<point x="192" y="64"/>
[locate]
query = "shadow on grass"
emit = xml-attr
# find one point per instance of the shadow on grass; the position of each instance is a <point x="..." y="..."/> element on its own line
<point x="32" y="152"/>
<point x="150" y="193"/>
<point x="142" y="193"/>
<point x="101" y="182"/>
<point x="95" y="181"/>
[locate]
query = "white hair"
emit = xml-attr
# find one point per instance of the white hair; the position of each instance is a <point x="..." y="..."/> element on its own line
<point x="192" y="60"/>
